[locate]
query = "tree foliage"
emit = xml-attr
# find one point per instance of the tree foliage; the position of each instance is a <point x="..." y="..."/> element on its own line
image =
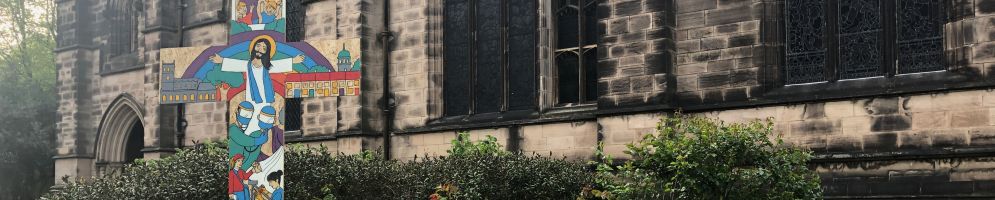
<point x="27" y="93"/>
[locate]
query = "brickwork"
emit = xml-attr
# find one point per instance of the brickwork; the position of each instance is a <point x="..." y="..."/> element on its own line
<point x="714" y="58"/>
<point x="715" y="44"/>
<point x="572" y="140"/>
<point x="411" y="60"/>
<point x="636" y="52"/>
<point x="932" y="125"/>
<point x="976" y="42"/>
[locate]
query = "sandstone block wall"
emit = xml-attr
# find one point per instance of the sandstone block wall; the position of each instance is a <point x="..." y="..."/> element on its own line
<point x="714" y="58"/>
<point x="716" y="41"/>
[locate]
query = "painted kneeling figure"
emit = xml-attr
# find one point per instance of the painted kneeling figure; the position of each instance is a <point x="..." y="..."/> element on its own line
<point x="249" y="144"/>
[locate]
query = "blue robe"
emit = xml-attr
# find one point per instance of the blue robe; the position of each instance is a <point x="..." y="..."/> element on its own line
<point x="267" y="87"/>
<point x="278" y="194"/>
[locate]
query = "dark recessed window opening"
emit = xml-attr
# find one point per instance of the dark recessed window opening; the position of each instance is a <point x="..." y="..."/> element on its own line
<point x="829" y="40"/>
<point x="120" y="52"/>
<point x="489" y="56"/>
<point x="576" y="51"/>
<point x="293" y="109"/>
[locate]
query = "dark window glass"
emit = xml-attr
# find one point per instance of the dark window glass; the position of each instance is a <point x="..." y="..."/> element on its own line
<point x="568" y="77"/>
<point x="591" y="22"/>
<point x="860" y="30"/>
<point x="920" y="36"/>
<point x="867" y="38"/>
<point x="296" y="13"/>
<point x="590" y="75"/>
<point x="576" y="53"/>
<point x="567" y="24"/>
<point x="293" y="109"/>
<point x="489" y="50"/>
<point x="456" y="65"/>
<point x="121" y="15"/>
<point x="293" y="113"/>
<point x="521" y="54"/>
<point x="120" y="51"/>
<point x="489" y="56"/>
<point x="806" y="52"/>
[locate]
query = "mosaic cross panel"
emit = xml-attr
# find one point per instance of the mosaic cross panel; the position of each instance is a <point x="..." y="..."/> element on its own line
<point x="255" y="73"/>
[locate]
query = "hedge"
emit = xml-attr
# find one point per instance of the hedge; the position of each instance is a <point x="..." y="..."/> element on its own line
<point x="313" y="173"/>
<point x="687" y="158"/>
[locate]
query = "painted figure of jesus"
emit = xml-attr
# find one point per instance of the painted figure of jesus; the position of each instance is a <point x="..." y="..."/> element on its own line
<point x="255" y="73"/>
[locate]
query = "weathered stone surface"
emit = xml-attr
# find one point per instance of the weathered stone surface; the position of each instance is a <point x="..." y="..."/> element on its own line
<point x="708" y="57"/>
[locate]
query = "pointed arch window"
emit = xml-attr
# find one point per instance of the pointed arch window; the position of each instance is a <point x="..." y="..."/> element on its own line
<point x="576" y="54"/>
<point x="120" y="52"/>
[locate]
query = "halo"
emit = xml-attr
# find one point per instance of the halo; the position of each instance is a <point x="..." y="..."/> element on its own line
<point x="272" y="44"/>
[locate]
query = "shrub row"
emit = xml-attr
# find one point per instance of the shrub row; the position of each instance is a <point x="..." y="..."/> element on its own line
<point x="475" y="172"/>
<point x="688" y="158"/>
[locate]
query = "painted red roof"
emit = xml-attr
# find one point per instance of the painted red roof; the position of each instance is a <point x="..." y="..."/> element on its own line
<point x="323" y="76"/>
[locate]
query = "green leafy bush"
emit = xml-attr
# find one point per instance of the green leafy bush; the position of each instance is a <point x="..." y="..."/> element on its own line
<point x="688" y="158"/>
<point x="479" y="170"/>
<point x="197" y="173"/>
<point x="700" y="158"/>
<point x="474" y="170"/>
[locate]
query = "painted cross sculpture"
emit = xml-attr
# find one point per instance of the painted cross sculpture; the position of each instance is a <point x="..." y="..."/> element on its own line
<point x="255" y="73"/>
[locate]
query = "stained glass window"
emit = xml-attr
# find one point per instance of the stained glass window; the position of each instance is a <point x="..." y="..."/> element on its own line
<point x="867" y="38"/>
<point x="521" y="55"/>
<point x="121" y="16"/>
<point x="293" y="109"/>
<point x="489" y="56"/>
<point x="859" y="38"/>
<point x="920" y="36"/>
<point x="456" y="62"/>
<point x="806" y="49"/>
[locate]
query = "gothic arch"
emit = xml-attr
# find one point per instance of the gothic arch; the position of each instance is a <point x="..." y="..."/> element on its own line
<point x="122" y="118"/>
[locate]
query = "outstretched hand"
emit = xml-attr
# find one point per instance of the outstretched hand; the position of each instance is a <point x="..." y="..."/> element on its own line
<point x="298" y="59"/>
<point x="217" y="59"/>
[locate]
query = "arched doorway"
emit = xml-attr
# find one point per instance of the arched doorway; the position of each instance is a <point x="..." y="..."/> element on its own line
<point x="135" y="143"/>
<point x="121" y="136"/>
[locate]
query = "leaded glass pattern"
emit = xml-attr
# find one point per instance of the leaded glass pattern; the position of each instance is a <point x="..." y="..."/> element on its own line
<point x="806" y="50"/>
<point x="860" y="31"/>
<point x="121" y="16"/>
<point x="294" y="110"/>
<point x="489" y="75"/>
<point x="489" y="56"/>
<point x="456" y="62"/>
<point x="521" y="54"/>
<point x="920" y="36"/>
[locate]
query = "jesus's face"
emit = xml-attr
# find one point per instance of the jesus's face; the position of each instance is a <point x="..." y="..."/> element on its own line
<point x="260" y="50"/>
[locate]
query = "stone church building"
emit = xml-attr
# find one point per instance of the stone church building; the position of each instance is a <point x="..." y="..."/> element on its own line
<point x="895" y="97"/>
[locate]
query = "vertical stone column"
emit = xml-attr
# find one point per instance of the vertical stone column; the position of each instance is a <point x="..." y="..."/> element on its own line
<point x="718" y="46"/>
<point x="354" y="121"/>
<point x="636" y="53"/>
<point x="75" y="57"/>
<point x="321" y="115"/>
<point x="416" y="66"/>
<point x="159" y="29"/>
<point x="970" y="36"/>
<point x="411" y="60"/>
